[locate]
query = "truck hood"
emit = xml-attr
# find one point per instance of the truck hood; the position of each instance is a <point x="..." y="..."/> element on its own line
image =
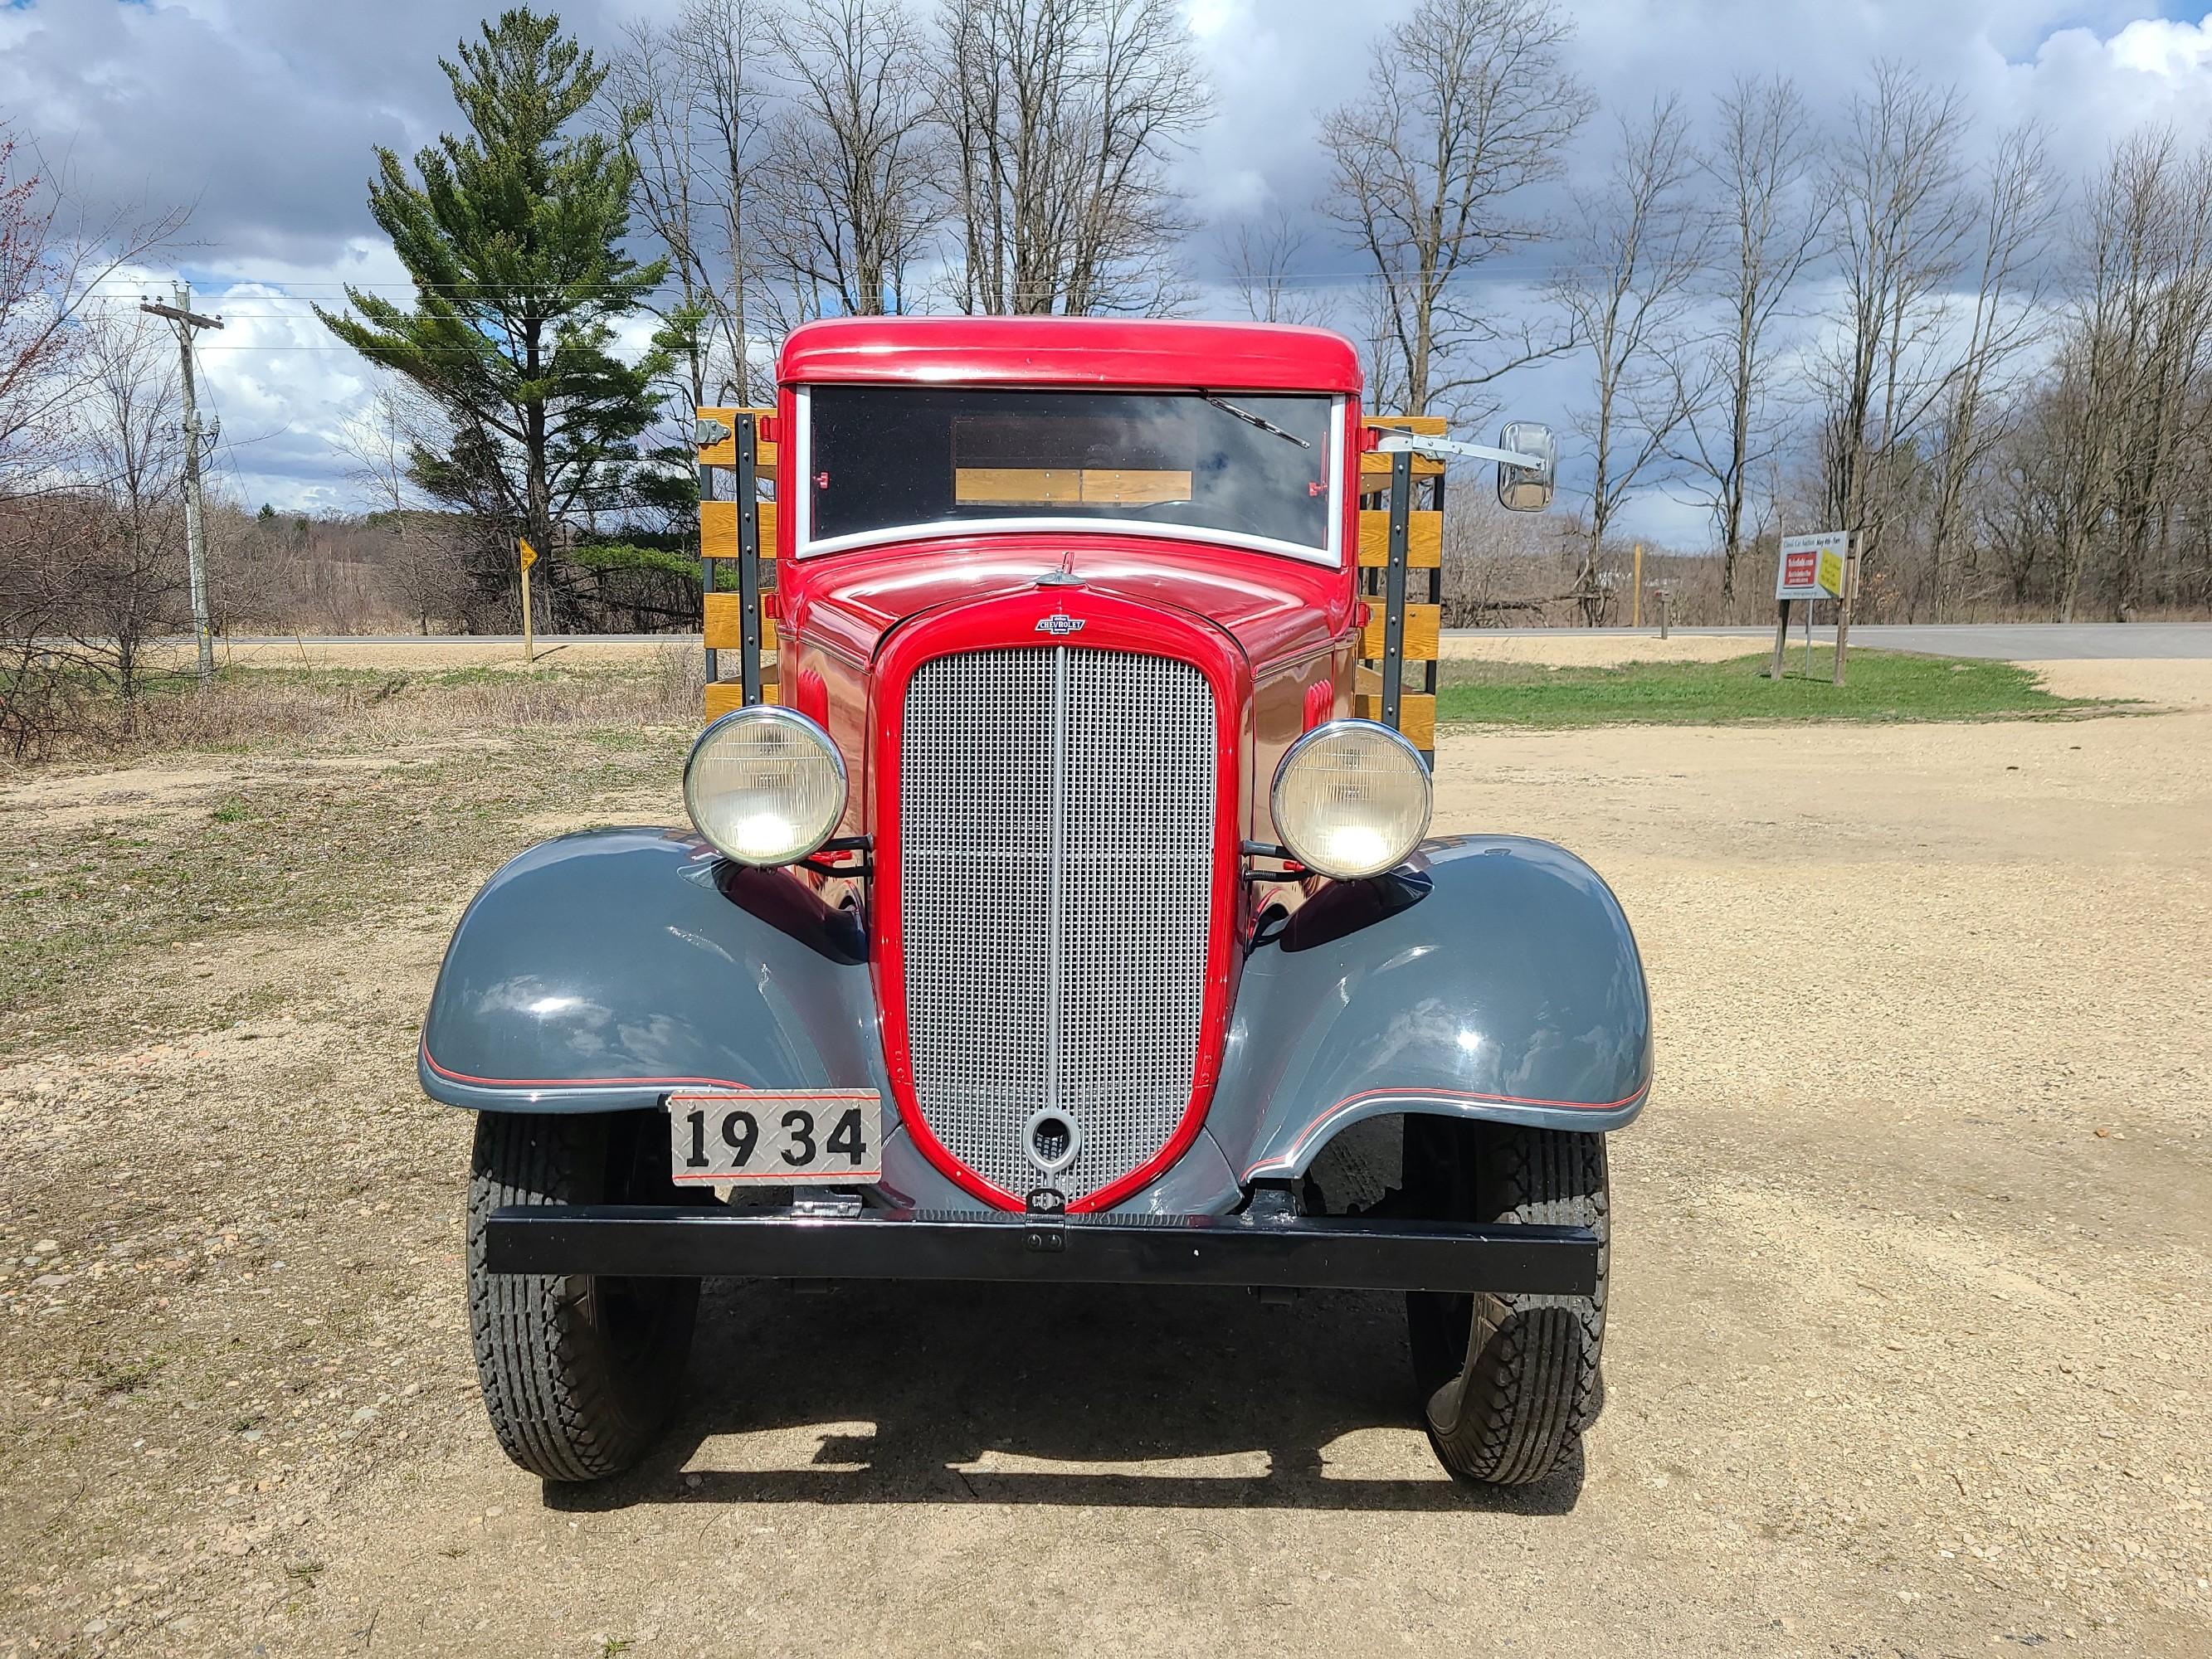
<point x="1276" y="608"/>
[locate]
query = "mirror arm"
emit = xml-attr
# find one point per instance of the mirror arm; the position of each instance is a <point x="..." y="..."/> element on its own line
<point x="1440" y="448"/>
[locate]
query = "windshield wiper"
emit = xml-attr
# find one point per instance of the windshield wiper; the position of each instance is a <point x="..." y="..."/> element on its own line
<point x="1250" y="419"/>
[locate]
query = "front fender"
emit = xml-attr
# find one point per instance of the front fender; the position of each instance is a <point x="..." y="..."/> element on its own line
<point x="599" y="971"/>
<point x="1495" y="977"/>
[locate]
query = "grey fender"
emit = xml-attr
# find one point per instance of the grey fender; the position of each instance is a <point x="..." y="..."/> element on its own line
<point x="604" y="971"/>
<point x="1492" y="978"/>
<point x="601" y="970"/>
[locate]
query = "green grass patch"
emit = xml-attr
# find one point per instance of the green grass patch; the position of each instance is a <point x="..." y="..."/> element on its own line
<point x="1881" y="686"/>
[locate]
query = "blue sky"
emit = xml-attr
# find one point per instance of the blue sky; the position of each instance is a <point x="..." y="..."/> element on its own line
<point x="264" y="112"/>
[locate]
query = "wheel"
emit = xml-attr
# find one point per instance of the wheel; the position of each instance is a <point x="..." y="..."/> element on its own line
<point x="1508" y="1384"/>
<point x="580" y="1373"/>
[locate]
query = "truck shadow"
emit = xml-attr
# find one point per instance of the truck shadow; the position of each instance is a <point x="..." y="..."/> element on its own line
<point x="950" y="1375"/>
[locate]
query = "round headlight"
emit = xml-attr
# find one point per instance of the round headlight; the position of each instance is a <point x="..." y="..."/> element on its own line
<point x="764" y="785"/>
<point x="1352" y="800"/>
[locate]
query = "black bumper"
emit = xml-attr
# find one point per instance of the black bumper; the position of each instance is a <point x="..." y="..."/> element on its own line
<point x="1302" y="1252"/>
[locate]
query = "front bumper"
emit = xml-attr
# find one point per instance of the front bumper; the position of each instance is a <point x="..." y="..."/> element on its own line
<point x="1285" y="1252"/>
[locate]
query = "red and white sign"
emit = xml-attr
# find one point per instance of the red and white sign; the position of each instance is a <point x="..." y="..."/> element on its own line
<point x="1812" y="567"/>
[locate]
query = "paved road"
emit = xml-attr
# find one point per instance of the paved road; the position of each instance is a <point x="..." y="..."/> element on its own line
<point x="1998" y="641"/>
<point x="1991" y="640"/>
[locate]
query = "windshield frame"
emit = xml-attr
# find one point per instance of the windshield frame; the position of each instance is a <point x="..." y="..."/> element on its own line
<point x="1330" y="554"/>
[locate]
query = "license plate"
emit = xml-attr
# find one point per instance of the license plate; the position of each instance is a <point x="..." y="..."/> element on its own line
<point x="784" y="1137"/>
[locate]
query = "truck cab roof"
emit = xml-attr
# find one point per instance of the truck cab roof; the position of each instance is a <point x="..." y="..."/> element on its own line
<point x="1069" y="351"/>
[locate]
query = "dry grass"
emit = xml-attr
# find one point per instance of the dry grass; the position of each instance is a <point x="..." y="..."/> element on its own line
<point x="253" y="706"/>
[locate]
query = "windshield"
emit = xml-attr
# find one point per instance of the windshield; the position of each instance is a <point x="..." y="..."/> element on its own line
<point x="1251" y="466"/>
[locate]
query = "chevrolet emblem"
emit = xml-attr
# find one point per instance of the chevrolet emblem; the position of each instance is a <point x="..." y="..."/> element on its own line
<point x="1060" y="625"/>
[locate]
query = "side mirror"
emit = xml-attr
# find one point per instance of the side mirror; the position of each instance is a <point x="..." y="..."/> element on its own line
<point x="1527" y="488"/>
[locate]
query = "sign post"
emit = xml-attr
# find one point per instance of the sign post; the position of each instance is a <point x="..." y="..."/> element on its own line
<point x="1811" y="567"/>
<point x="529" y="558"/>
<point x="1847" y="585"/>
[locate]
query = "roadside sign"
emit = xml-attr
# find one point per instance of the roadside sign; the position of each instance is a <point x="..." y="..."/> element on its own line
<point x="1812" y="567"/>
<point x="529" y="553"/>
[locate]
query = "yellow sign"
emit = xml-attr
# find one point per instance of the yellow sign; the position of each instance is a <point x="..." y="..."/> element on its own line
<point x="1832" y="571"/>
<point x="529" y="553"/>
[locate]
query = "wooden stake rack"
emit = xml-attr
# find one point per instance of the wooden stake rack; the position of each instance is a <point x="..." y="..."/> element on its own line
<point x="737" y="528"/>
<point x="1401" y="546"/>
<point x="1401" y="549"/>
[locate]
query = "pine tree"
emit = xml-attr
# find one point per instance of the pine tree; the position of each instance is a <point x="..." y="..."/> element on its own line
<point x="514" y="237"/>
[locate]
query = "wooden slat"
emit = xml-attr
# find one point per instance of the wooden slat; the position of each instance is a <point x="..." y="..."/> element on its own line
<point x="1018" y="486"/>
<point x="1429" y="426"/>
<point x="718" y="530"/>
<point x="723" y="695"/>
<point x="725" y="452"/>
<point x="726" y="624"/>
<point x="1417" y="714"/>
<point x="1425" y="539"/>
<point x="1105" y="486"/>
<point x="1423" y="626"/>
<point x="1374" y="463"/>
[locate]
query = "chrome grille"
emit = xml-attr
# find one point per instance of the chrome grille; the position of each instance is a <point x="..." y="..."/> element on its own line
<point x="1056" y="812"/>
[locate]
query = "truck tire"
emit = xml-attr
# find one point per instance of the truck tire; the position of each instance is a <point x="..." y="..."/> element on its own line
<point x="1509" y="1383"/>
<point x="580" y="1372"/>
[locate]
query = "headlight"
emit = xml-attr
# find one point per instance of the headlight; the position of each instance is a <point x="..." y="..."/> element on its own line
<point x="764" y="785"/>
<point x="1352" y="800"/>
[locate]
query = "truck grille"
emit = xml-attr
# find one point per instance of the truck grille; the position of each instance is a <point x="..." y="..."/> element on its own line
<point x="1056" y="833"/>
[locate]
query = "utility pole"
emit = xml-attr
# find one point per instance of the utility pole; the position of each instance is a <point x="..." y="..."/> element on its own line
<point x="187" y="322"/>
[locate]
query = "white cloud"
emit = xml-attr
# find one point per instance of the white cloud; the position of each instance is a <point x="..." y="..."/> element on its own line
<point x="264" y="113"/>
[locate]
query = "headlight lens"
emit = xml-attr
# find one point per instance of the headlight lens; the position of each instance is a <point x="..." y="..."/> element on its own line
<point x="764" y="786"/>
<point x="1352" y="800"/>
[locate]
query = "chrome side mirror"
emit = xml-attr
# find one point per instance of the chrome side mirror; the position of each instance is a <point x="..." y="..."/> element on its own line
<point x="1527" y="488"/>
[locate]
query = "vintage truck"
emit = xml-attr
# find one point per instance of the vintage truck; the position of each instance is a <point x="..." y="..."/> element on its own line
<point x="1055" y="921"/>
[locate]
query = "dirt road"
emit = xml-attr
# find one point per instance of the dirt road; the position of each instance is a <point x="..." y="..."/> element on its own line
<point x="1908" y="1351"/>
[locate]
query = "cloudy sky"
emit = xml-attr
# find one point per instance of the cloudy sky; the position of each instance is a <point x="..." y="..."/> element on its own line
<point x="263" y="113"/>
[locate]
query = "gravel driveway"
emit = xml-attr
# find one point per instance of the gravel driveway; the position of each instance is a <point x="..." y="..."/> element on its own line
<point x="1908" y="1344"/>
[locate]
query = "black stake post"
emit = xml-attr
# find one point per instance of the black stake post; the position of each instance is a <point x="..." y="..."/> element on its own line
<point x="749" y="583"/>
<point x="1394" y="585"/>
<point x="707" y="565"/>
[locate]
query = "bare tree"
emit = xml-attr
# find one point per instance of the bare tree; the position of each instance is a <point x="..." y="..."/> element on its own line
<point x="1468" y="103"/>
<point x="2007" y="319"/>
<point x="1061" y="116"/>
<point x="2163" y="419"/>
<point x="1769" y="218"/>
<point x="1628" y="289"/>
<point x="427" y="568"/>
<point x="2113" y="364"/>
<point x="55" y="254"/>
<point x="1261" y="255"/>
<point x="853" y="189"/>
<point x="688" y="98"/>
<point x="1901" y="219"/>
<point x="127" y="573"/>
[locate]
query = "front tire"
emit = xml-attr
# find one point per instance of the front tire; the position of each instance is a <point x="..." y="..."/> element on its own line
<point x="580" y="1372"/>
<point x="1509" y="1383"/>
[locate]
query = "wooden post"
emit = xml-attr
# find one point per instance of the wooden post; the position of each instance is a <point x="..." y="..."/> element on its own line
<point x="1636" y="602"/>
<point x="1661" y="596"/>
<point x="529" y="642"/>
<point x="1781" y="639"/>
<point x="707" y="567"/>
<point x="749" y="570"/>
<point x="1843" y="604"/>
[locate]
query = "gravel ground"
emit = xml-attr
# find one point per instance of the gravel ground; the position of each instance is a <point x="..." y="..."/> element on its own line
<point x="1907" y="1356"/>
